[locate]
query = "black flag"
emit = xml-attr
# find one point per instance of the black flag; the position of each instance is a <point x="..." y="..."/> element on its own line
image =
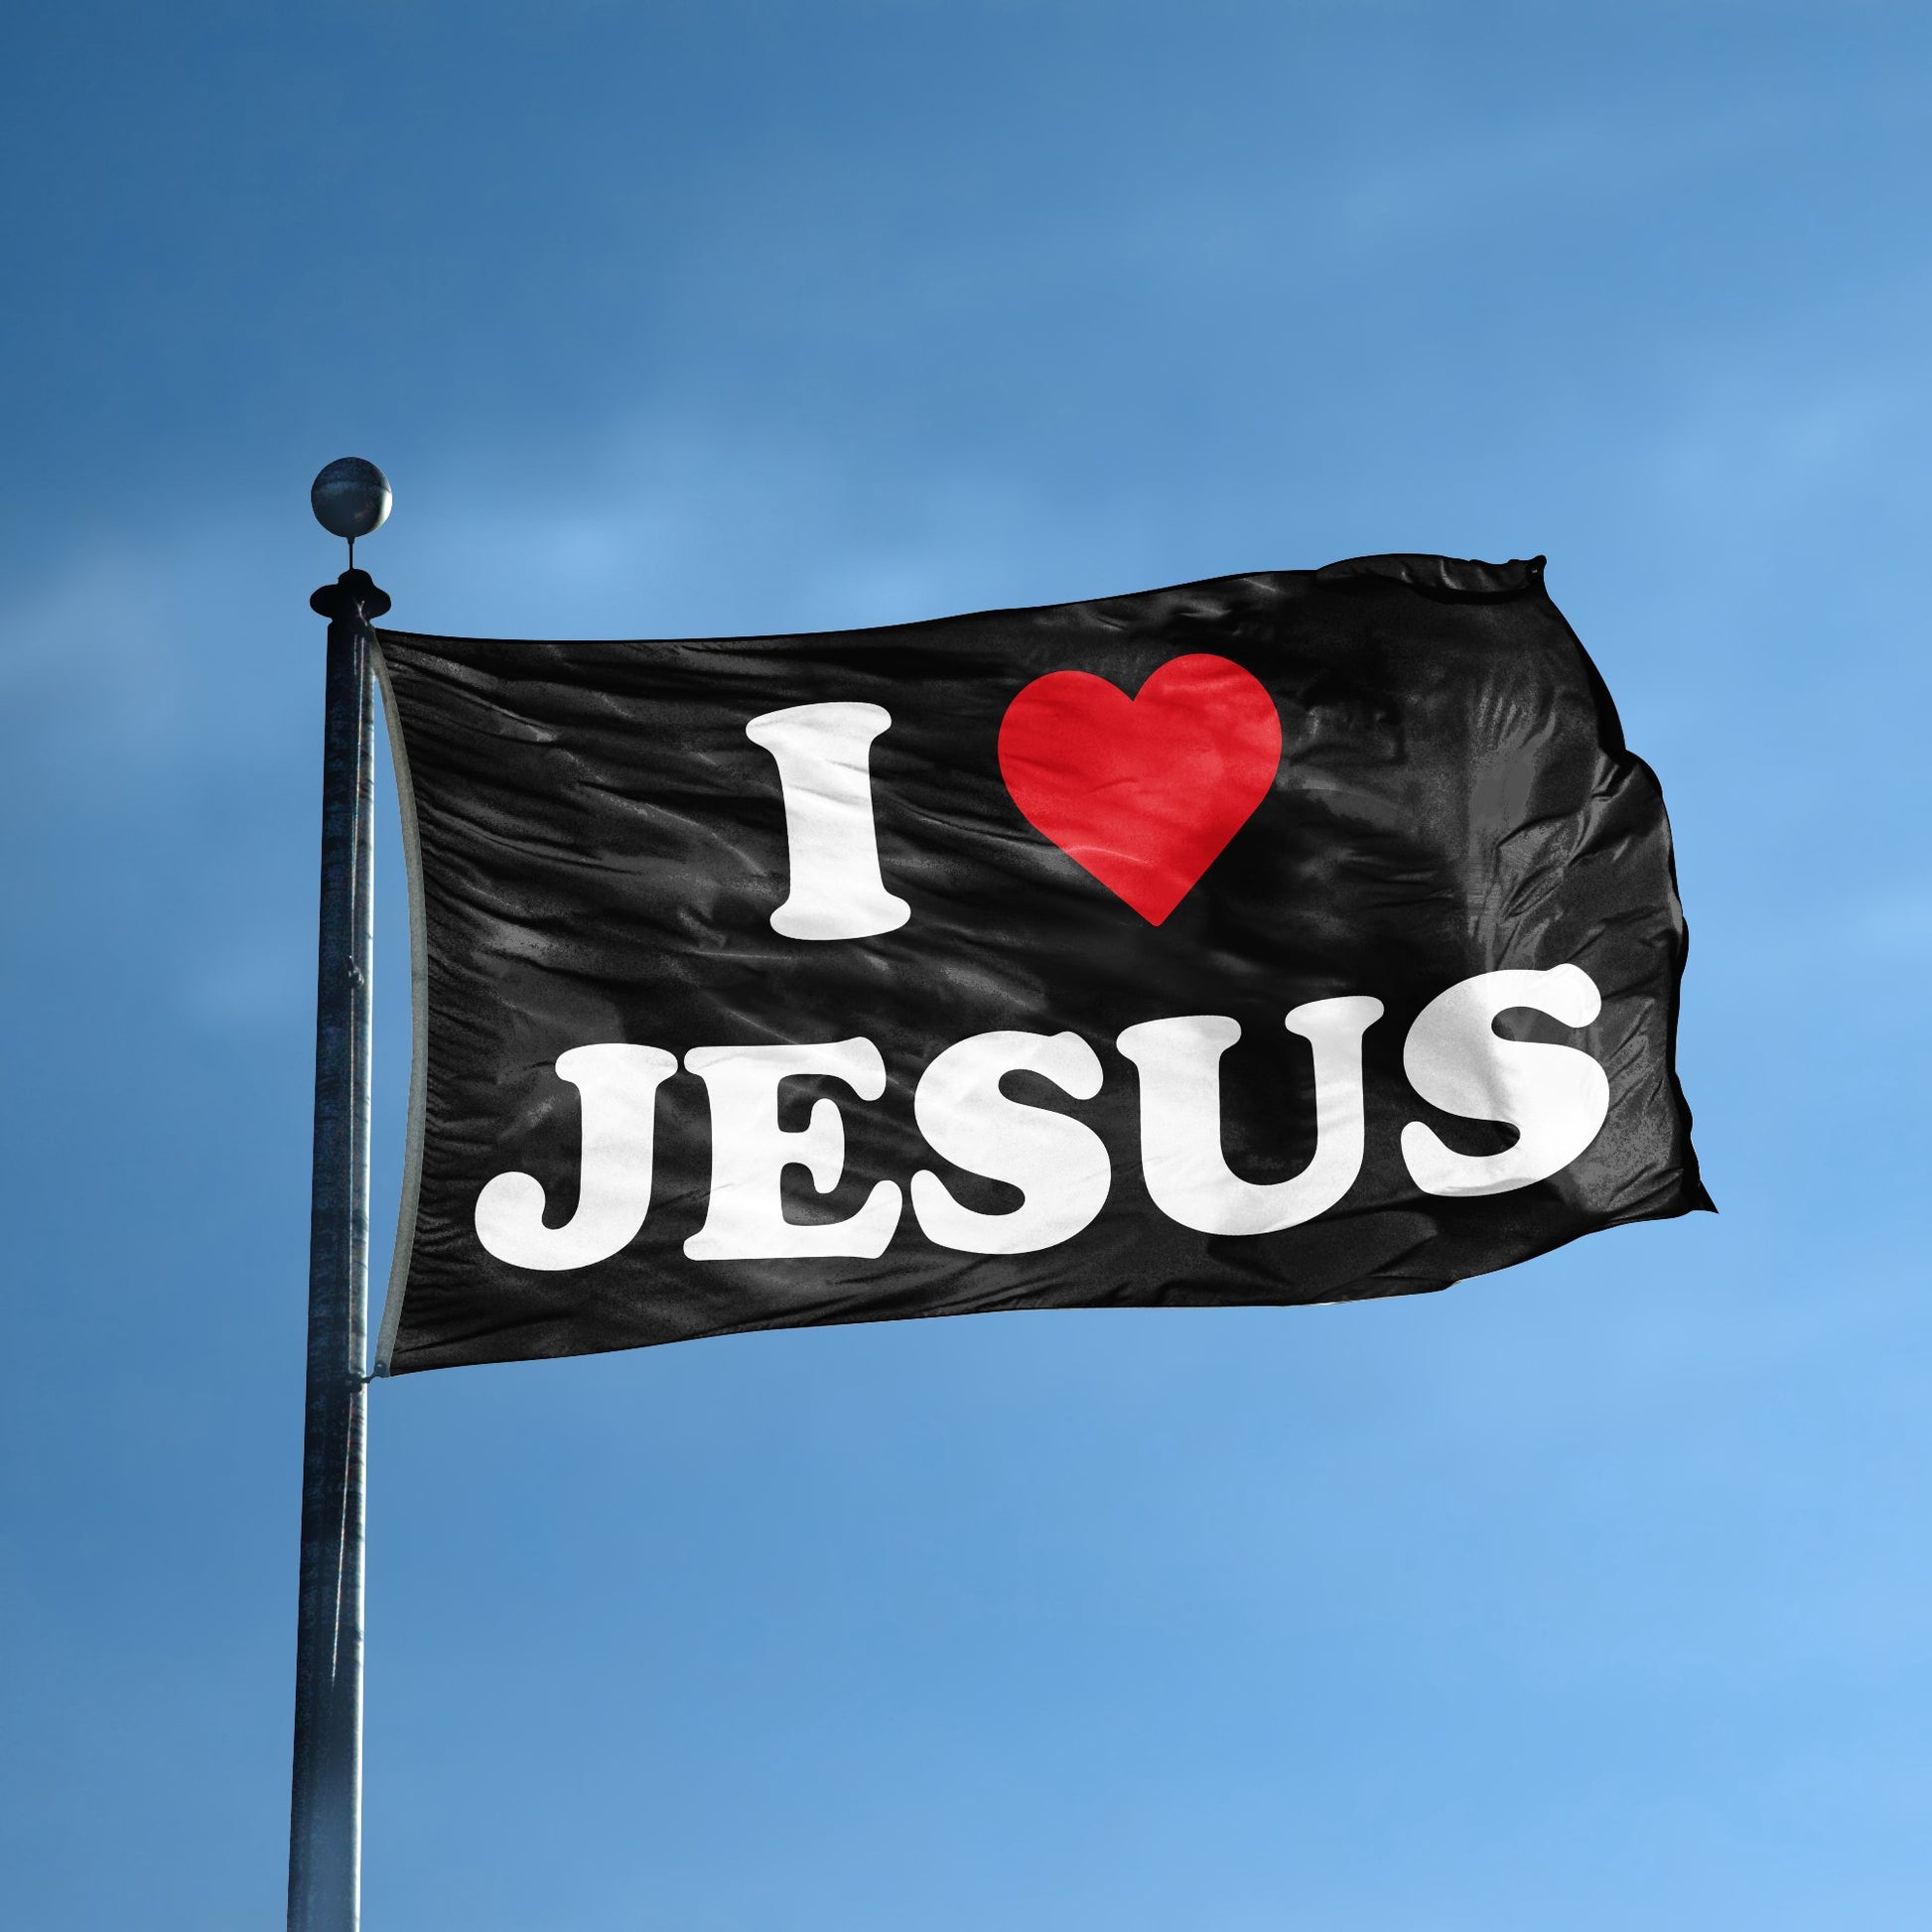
<point x="1286" y="938"/>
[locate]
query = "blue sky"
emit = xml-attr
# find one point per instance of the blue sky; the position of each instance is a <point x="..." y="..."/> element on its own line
<point x="1593" y="1594"/>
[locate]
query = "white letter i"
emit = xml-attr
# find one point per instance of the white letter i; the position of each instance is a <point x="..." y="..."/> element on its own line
<point x="822" y="751"/>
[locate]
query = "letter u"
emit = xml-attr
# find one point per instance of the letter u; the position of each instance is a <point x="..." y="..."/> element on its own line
<point x="1179" y="1062"/>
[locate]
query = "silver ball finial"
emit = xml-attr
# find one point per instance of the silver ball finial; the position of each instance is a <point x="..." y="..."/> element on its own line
<point x="351" y="497"/>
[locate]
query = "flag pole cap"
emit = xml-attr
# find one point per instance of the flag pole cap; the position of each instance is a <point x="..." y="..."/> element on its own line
<point x="351" y="497"/>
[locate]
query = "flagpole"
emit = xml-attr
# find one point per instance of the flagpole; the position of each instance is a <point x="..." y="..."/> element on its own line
<point x="326" y="1810"/>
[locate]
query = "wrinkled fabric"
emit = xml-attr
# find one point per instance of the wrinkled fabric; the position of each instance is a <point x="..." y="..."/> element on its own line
<point x="600" y="849"/>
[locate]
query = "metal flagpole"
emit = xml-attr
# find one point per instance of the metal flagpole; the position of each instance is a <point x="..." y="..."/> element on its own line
<point x="351" y="498"/>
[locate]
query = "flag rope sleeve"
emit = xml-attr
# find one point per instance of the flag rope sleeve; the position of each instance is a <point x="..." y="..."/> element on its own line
<point x="412" y="1161"/>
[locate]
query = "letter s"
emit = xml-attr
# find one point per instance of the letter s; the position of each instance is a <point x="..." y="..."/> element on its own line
<point x="1059" y="1164"/>
<point x="1555" y="1097"/>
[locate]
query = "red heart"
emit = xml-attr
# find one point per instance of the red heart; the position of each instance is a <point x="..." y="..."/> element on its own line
<point x="1143" y="791"/>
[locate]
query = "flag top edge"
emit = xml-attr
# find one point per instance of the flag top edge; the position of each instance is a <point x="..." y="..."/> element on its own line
<point x="1443" y="578"/>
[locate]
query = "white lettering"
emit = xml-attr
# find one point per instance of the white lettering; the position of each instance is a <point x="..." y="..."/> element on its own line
<point x="750" y="1153"/>
<point x="616" y="1087"/>
<point x="1059" y="1164"/>
<point x="1179" y="1062"/>
<point x="1555" y="1097"/>
<point x="823" y="753"/>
